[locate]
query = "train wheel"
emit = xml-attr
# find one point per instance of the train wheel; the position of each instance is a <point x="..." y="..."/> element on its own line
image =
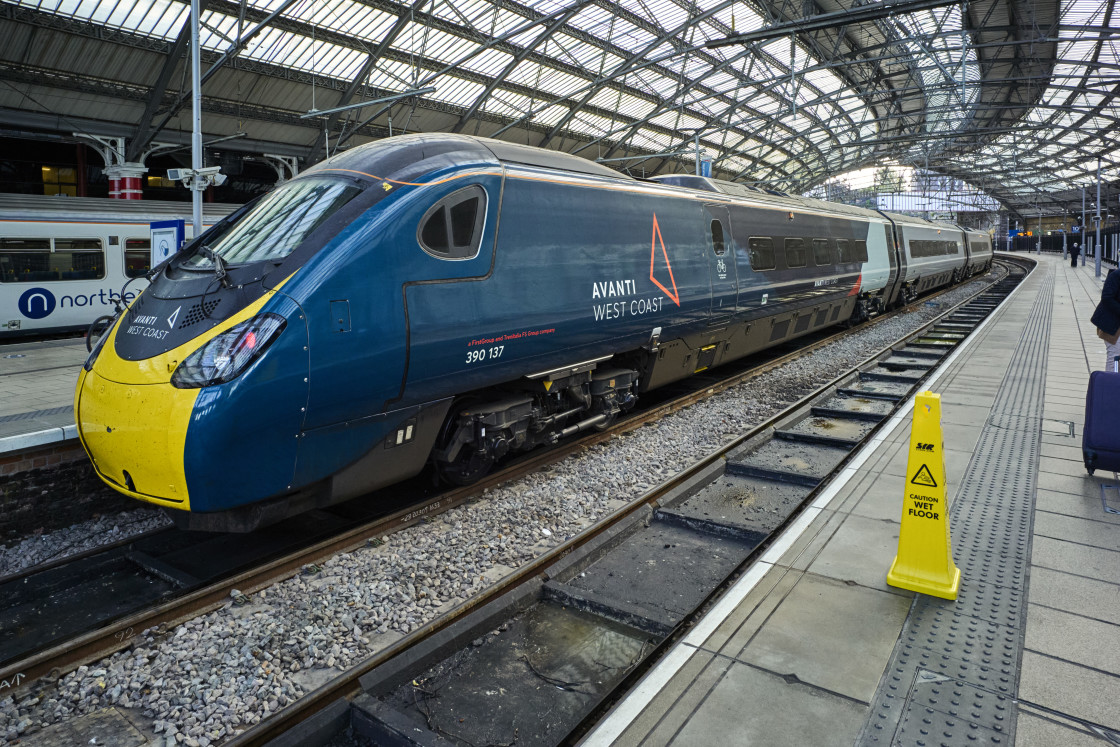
<point x="469" y="466"/>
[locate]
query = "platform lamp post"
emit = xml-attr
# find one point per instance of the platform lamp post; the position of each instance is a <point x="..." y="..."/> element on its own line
<point x="1082" y="237"/>
<point x="196" y="178"/>
<point x="196" y="120"/>
<point x="1097" y="242"/>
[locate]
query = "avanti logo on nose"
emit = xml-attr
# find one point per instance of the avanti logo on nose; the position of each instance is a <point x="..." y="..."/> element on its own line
<point x="36" y="303"/>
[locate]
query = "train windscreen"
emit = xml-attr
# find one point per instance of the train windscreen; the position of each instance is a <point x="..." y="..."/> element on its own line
<point x="279" y="222"/>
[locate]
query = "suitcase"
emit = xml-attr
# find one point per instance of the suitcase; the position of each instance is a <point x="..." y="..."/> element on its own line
<point x="1100" y="440"/>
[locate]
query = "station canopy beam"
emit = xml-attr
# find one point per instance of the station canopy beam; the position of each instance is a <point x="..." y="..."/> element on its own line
<point x="1015" y="97"/>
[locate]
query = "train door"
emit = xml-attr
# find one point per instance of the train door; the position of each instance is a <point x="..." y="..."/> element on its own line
<point x="721" y="264"/>
<point x="892" y="293"/>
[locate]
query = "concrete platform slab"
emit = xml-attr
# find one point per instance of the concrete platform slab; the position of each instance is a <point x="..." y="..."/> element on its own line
<point x="1041" y="730"/>
<point x="839" y="642"/>
<point x="1068" y="688"/>
<point x="1068" y="504"/>
<point x="673" y="708"/>
<point x="1076" y="558"/>
<point x="1073" y="638"/>
<point x="1081" y="595"/>
<point x="758" y="707"/>
<point x="1081" y="532"/>
<point x="860" y="552"/>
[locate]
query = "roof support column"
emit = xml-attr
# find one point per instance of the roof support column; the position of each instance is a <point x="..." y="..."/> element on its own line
<point x="124" y="176"/>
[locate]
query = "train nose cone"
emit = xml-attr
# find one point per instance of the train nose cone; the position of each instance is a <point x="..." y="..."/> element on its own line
<point x="135" y="435"/>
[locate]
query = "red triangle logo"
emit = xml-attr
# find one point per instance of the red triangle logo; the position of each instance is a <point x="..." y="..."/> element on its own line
<point x="656" y="240"/>
<point x="857" y="286"/>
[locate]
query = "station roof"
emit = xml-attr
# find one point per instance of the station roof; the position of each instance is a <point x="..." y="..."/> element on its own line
<point x="1016" y="97"/>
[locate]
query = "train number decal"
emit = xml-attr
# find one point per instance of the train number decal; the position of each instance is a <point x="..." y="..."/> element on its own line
<point x="485" y="354"/>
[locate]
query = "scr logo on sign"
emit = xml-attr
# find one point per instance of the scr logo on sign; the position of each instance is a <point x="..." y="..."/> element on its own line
<point x="925" y="447"/>
<point x="36" y="303"/>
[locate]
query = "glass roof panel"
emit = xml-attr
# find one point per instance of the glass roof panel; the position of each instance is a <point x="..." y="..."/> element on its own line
<point x="928" y="59"/>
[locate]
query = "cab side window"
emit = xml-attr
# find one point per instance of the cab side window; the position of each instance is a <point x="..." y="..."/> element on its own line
<point x="452" y="228"/>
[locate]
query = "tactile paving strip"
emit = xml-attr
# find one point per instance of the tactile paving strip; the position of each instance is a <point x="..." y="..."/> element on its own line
<point x="37" y="414"/>
<point x="955" y="670"/>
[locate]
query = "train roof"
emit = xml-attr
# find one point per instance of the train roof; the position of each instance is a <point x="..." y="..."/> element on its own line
<point x="410" y="156"/>
<point x="63" y="208"/>
<point x="912" y="220"/>
<point x="771" y="196"/>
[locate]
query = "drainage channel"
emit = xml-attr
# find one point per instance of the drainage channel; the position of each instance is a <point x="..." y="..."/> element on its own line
<point x="536" y="665"/>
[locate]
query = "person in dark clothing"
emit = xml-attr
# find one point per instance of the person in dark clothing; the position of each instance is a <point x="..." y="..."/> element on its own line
<point x="1107" y="316"/>
<point x="1074" y="252"/>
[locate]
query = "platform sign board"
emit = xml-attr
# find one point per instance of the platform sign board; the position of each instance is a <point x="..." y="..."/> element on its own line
<point x="167" y="238"/>
<point x="924" y="562"/>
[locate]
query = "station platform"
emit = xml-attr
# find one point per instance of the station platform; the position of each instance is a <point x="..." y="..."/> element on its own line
<point x="38" y="380"/>
<point x="812" y="647"/>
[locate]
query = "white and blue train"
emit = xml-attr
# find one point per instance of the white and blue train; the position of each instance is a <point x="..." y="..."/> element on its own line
<point x="446" y="300"/>
<point x="64" y="260"/>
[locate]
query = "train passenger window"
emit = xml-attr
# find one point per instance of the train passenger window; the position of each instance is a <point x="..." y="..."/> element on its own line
<point x="795" y="252"/>
<point x="920" y="248"/>
<point x="822" y="253"/>
<point x="844" y="249"/>
<point x="859" y="250"/>
<point x="452" y="228"/>
<point x="24" y="260"/>
<point x="79" y="259"/>
<point x="761" y="252"/>
<point x="717" y="238"/>
<point x="137" y="257"/>
<point x="33" y="260"/>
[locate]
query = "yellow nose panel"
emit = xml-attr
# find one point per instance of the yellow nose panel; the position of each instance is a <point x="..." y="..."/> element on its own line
<point x="137" y="432"/>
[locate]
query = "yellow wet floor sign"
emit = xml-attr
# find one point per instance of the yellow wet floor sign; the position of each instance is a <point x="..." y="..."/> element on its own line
<point x="924" y="561"/>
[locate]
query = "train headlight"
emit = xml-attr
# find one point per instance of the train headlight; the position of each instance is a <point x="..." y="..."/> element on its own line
<point x="225" y="357"/>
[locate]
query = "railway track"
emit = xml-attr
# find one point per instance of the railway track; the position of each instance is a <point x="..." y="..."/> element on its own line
<point x="539" y="656"/>
<point x="175" y="580"/>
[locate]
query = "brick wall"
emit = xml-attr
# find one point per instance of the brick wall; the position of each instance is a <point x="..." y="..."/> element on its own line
<point x="51" y="487"/>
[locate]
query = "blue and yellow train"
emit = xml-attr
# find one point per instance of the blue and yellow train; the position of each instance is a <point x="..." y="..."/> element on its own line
<point x="447" y="300"/>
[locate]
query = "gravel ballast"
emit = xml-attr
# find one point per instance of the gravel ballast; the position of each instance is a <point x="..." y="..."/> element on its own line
<point x="86" y="535"/>
<point x="201" y="682"/>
